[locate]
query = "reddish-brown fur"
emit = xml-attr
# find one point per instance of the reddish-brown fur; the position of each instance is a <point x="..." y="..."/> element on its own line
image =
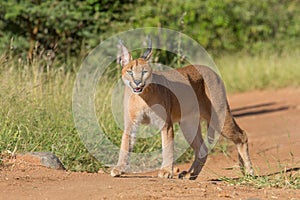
<point x="142" y="95"/>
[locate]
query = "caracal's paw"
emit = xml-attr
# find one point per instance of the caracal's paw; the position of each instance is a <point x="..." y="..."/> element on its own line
<point x="187" y="175"/>
<point x="165" y="173"/>
<point x="116" y="172"/>
<point x="183" y="175"/>
<point x="249" y="172"/>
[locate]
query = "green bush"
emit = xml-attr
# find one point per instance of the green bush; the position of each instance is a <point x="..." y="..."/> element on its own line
<point x="78" y="26"/>
<point x="73" y="25"/>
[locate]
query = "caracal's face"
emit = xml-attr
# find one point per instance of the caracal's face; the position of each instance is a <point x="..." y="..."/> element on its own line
<point x="137" y="74"/>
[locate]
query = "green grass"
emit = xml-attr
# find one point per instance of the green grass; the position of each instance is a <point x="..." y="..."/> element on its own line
<point x="36" y="105"/>
<point x="36" y="115"/>
<point x="284" y="179"/>
<point x="243" y="72"/>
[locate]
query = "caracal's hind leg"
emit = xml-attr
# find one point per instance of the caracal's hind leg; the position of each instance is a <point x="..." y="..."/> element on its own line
<point x="232" y="131"/>
<point x="200" y="150"/>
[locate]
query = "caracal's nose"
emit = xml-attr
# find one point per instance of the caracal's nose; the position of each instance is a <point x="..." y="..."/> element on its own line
<point x="137" y="82"/>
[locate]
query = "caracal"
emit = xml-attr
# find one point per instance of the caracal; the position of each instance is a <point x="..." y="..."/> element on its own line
<point x="166" y="97"/>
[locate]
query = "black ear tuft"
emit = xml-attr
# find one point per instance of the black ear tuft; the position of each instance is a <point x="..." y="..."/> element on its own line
<point x="148" y="53"/>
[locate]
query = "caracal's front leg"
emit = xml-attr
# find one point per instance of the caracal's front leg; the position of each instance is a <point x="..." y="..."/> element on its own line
<point x="128" y="140"/>
<point x="167" y="134"/>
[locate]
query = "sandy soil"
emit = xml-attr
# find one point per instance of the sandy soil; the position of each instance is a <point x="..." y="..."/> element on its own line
<point x="271" y="118"/>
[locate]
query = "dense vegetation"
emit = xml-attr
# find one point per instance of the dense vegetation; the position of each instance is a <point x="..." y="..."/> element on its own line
<point x="75" y="27"/>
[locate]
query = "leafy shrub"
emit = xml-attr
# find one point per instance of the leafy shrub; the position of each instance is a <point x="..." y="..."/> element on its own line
<point x="78" y="26"/>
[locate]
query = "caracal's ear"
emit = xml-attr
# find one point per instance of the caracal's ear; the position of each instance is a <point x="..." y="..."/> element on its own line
<point x="124" y="57"/>
<point x="148" y="53"/>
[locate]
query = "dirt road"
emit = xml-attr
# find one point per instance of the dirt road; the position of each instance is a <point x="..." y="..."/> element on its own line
<point x="271" y="118"/>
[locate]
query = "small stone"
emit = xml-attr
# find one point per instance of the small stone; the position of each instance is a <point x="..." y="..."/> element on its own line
<point x="224" y="195"/>
<point x="46" y="159"/>
<point x="220" y="189"/>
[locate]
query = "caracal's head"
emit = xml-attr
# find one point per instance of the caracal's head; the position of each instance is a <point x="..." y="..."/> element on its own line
<point x="137" y="73"/>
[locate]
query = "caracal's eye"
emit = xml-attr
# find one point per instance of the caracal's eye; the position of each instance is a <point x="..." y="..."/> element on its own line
<point x="144" y="72"/>
<point x="130" y="72"/>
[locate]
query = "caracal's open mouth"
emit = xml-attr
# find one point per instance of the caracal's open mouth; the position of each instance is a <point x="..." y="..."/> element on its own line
<point x="138" y="90"/>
